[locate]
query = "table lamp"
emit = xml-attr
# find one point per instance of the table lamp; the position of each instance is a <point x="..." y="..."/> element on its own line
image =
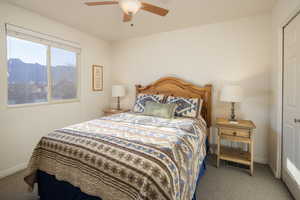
<point x="118" y="91"/>
<point x="232" y="94"/>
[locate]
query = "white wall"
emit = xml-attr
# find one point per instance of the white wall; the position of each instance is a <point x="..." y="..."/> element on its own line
<point x="282" y="12"/>
<point x="233" y="52"/>
<point x="21" y="128"/>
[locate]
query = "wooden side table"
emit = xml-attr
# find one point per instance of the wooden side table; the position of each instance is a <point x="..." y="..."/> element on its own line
<point x="241" y="132"/>
<point x="112" y="111"/>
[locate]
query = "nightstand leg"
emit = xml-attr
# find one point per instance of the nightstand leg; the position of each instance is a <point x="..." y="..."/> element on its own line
<point x="218" y="150"/>
<point x="251" y="153"/>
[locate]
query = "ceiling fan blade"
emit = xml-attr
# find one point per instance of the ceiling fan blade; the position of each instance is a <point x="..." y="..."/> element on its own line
<point x="154" y="9"/>
<point x="127" y="18"/>
<point x="101" y="3"/>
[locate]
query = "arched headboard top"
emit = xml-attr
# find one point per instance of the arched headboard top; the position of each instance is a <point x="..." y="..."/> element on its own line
<point x="171" y="86"/>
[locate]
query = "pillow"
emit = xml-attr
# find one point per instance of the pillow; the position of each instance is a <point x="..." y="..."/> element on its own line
<point x="159" y="109"/>
<point x="141" y="100"/>
<point x="186" y="107"/>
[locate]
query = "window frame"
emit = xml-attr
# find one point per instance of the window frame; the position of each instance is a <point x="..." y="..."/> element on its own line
<point x="49" y="86"/>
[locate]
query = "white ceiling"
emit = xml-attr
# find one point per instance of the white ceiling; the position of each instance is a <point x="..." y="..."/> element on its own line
<point x="106" y="21"/>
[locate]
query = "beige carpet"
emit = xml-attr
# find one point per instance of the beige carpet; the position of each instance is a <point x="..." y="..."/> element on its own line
<point x="224" y="183"/>
<point x="232" y="183"/>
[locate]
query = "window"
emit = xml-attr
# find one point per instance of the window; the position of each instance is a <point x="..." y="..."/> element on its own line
<point x="63" y="73"/>
<point x="27" y="72"/>
<point x="39" y="72"/>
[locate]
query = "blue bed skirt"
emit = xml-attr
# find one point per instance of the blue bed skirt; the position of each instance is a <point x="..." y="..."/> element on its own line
<point x="51" y="189"/>
<point x="201" y="173"/>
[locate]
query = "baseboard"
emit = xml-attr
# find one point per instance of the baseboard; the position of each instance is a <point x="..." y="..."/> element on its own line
<point x="274" y="171"/>
<point x="12" y="170"/>
<point x="260" y="160"/>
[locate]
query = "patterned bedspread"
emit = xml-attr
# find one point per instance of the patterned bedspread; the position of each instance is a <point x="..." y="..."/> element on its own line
<point x="125" y="156"/>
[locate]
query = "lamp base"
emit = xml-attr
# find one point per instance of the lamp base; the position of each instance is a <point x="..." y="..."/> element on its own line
<point x="118" y="105"/>
<point x="232" y="117"/>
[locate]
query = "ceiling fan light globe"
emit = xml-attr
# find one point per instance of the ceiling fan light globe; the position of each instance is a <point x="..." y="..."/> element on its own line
<point x="130" y="7"/>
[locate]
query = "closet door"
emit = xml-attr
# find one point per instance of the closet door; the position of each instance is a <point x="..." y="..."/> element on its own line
<point x="291" y="108"/>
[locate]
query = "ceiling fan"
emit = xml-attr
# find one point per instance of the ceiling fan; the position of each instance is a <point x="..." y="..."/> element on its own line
<point x="131" y="7"/>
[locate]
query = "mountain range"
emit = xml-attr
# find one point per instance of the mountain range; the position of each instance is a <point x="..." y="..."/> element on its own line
<point x="20" y="72"/>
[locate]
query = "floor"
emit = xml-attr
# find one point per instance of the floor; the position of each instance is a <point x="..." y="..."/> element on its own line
<point x="232" y="183"/>
<point x="224" y="183"/>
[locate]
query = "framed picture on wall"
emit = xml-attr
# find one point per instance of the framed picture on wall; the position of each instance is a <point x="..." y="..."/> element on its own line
<point x="97" y="78"/>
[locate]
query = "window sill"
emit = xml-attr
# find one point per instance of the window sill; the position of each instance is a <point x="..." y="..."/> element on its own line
<point x="43" y="103"/>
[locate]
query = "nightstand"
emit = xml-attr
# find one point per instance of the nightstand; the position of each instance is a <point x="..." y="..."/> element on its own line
<point x="112" y="111"/>
<point x="241" y="132"/>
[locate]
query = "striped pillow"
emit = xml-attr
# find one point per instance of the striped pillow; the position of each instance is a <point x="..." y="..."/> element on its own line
<point x="141" y="100"/>
<point x="186" y="107"/>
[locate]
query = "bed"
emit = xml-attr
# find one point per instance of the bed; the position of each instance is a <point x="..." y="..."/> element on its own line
<point x="126" y="156"/>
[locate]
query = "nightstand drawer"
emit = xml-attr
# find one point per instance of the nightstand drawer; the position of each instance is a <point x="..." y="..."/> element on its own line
<point x="235" y="132"/>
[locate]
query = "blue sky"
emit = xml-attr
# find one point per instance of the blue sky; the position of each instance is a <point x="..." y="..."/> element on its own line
<point x="31" y="52"/>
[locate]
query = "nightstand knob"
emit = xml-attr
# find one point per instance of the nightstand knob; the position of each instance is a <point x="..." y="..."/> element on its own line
<point x="234" y="133"/>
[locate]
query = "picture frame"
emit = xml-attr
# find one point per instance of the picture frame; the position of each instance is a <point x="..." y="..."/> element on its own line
<point x="97" y="74"/>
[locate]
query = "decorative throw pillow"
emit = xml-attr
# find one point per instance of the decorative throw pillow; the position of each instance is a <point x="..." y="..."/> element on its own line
<point x="141" y="100"/>
<point x="160" y="109"/>
<point x="186" y="107"/>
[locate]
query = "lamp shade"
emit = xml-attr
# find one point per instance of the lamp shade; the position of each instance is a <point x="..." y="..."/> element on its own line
<point x="118" y="91"/>
<point x="232" y="93"/>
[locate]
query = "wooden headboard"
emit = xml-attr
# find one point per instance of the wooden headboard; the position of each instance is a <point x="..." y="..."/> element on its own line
<point x="171" y="86"/>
